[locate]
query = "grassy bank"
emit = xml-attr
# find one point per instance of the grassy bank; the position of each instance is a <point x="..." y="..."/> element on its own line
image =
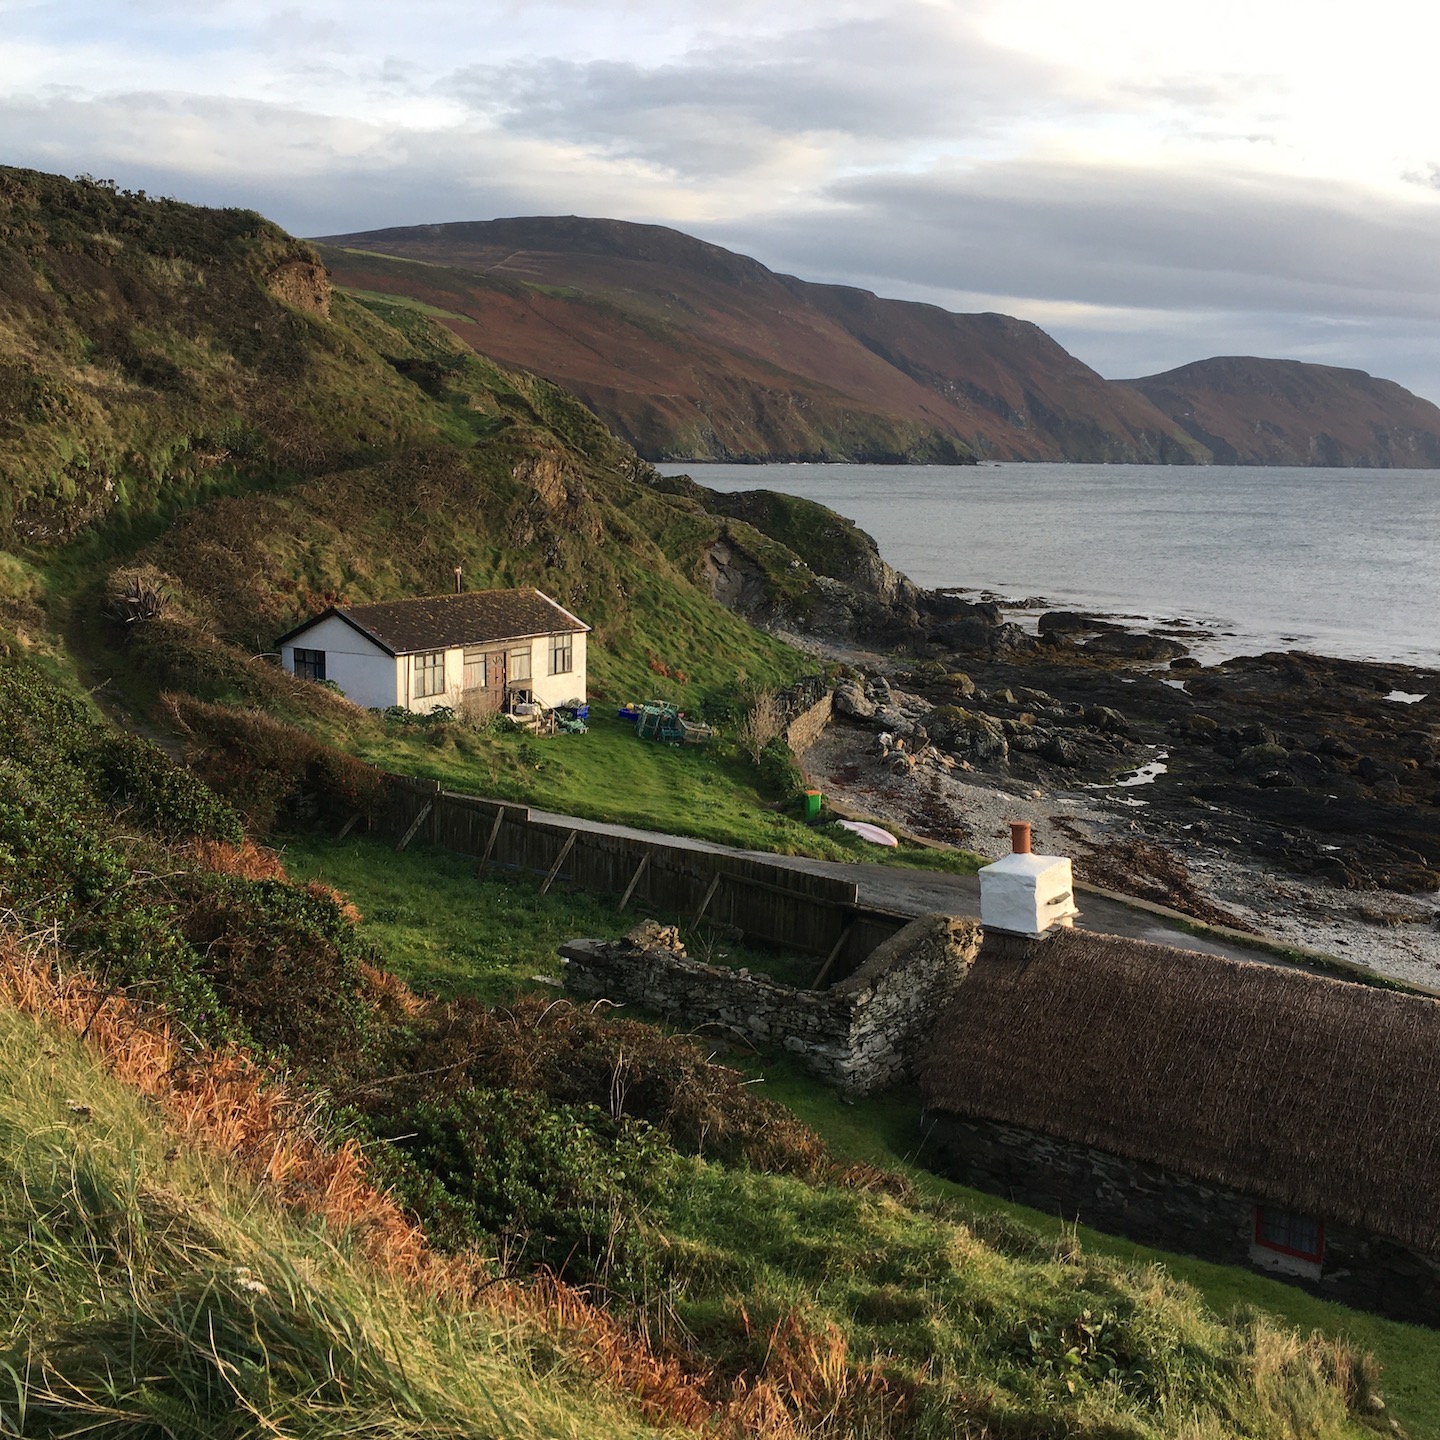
<point x="712" y="793"/>
<point x="886" y="1131"/>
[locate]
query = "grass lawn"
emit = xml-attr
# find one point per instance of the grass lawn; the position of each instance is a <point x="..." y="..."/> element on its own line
<point x="709" y="792"/>
<point x="443" y="931"/>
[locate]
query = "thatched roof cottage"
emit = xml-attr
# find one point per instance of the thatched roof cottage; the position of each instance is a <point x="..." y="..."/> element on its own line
<point x="1244" y="1112"/>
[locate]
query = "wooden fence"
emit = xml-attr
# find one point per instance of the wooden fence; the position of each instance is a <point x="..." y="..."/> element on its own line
<point x="771" y="904"/>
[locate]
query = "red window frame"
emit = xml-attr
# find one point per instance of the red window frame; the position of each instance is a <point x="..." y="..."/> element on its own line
<point x="1315" y="1255"/>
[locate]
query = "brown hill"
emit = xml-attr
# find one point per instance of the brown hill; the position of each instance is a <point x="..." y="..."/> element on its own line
<point x="690" y="351"/>
<point x="1248" y="411"/>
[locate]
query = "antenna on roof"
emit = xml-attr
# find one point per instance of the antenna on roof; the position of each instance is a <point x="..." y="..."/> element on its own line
<point x="457" y="580"/>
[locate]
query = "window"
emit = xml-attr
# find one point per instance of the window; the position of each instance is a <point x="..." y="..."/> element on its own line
<point x="1289" y="1233"/>
<point x="561" y="654"/>
<point x="429" y="674"/>
<point x="519" y="665"/>
<point x="309" y="664"/>
<point x="474" y="670"/>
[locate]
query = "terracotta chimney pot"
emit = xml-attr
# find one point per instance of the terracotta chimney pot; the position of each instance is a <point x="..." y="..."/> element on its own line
<point x="1020" y="837"/>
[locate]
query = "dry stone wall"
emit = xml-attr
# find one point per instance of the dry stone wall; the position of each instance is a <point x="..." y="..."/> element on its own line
<point x="861" y="1035"/>
<point x="805" y="728"/>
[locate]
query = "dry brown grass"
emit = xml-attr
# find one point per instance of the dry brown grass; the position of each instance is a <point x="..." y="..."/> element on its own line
<point x="224" y="1103"/>
<point x="246" y="861"/>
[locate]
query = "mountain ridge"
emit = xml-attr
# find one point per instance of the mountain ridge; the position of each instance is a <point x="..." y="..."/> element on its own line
<point x="691" y="351"/>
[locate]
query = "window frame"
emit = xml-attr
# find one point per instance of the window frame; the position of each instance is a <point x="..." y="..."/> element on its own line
<point x="562" y="644"/>
<point x="427" y="663"/>
<point x="311" y="667"/>
<point x="516" y="660"/>
<point x="1276" y="1213"/>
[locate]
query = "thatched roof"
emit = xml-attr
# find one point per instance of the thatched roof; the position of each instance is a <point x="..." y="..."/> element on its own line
<point x="435" y="622"/>
<point x="1319" y="1095"/>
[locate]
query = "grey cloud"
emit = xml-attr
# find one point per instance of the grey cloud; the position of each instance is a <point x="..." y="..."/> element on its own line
<point x="912" y="75"/>
<point x="1128" y="238"/>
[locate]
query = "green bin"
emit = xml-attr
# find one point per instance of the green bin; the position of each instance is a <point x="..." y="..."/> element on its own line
<point x="813" y="801"/>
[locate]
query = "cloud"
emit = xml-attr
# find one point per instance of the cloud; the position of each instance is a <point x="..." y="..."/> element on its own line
<point x="869" y="85"/>
<point x="1130" y="238"/>
<point x="1142" y="189"/>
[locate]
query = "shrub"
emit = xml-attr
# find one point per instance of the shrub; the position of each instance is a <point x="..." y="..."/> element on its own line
<point x="171" y="800"/>
<point x="273" y="772"/>
<point x="558" y="1186"/>
<point x="570" y="1054"/>
<point x="780" y="774"/>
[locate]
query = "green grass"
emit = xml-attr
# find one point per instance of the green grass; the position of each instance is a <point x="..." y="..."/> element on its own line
<point x="149" y="1289"/>
<point x="446" y="932"/>
<point x="609" y="774"/>
<point x="885" y="1130"/>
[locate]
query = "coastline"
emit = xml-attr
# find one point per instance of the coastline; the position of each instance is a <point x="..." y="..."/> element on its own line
<point x="1119" y="839"/>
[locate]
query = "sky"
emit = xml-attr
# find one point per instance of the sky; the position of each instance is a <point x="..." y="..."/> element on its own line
<point x="1151" y="183"/>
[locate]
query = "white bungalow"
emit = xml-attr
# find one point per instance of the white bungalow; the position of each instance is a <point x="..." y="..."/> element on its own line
<point x="480" y="651"/>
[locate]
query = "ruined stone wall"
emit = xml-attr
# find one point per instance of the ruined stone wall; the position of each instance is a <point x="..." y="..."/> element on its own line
<point x="804" y="729"/>
<point x="1158" y="1207"/>
<point x="861" y="1035"/>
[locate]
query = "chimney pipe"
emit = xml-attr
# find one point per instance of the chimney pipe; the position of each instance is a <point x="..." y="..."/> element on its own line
<point x="1020" y="837"/>
<point x="457" y="580"/>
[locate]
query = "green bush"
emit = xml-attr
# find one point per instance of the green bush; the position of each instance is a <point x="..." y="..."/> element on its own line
<point x="780" y="774"/>
<point x="557" y="1186"/>
<point x="166" y="797"/>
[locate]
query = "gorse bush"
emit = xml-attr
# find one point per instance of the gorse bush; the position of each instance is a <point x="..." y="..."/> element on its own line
<point x="275" y="773"/>
<point x="559" y="1186"/>
<point x="88" y="824"/>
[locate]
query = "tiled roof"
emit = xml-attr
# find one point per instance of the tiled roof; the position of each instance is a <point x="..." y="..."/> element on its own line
<point x="434" y="622"/>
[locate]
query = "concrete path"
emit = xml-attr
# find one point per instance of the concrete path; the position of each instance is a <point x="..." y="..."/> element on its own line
<point x="921" y="892"/>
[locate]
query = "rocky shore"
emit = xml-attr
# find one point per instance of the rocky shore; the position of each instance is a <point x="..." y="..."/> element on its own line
<point x="1286" y="793"/>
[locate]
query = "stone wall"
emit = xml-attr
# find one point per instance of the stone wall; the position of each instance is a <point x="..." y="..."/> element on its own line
<point x="860" y="1035"/>
<point x="1158" y="1207"/>
<point x="804" y="729"/>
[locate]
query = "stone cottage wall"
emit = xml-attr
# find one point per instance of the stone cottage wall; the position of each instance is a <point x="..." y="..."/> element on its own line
<point x="1158" y="1207"/>
<point x="861" y="1035"/>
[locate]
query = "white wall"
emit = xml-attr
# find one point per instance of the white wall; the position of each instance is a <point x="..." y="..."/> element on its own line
<point x="556" y="689"/>
<point x="366" y="674"/>
<point x="370" y="677"/>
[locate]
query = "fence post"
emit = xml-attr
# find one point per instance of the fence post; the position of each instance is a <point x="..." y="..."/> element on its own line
<point x="640" y="869"/>
<point x="490" y="843"/>
<point x="565" y="849"/>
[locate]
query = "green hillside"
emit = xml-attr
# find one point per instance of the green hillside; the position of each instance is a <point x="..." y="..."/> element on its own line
<point x="251" y="1181"/>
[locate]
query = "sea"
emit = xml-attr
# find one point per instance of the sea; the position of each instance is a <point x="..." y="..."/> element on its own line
<point x="1238" y="559"/>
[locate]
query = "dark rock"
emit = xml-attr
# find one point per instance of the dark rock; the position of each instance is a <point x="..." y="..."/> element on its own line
<point x="1060" y="751"/>
<point x="1065" y="622"/>
<point x="1035" y="699"/>
<point x="1106" y="720"/>
<point x="968" y="734"/>
<point x="1126" y="645"/>
<point x="952" y="607"/>
<point x="1185" y="662"/>
<point x="1261" y="759"/>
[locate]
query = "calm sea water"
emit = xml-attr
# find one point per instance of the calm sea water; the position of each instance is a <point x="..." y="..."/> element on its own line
<point x="1343" y="562"/>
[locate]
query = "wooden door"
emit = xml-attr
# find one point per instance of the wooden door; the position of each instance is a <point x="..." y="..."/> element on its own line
<point x="483" y="692"/>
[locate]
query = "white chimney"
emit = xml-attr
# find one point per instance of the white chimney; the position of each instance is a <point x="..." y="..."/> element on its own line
<point x="1026" y="894"/>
